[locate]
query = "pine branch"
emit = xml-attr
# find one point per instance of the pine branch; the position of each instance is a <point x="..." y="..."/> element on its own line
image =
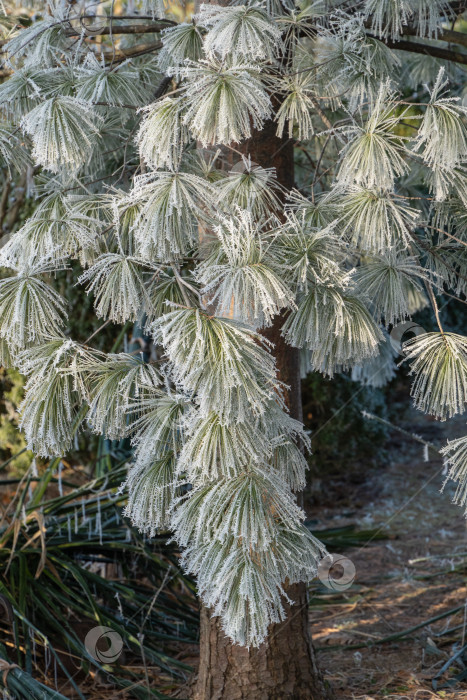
<point x="162" y="87"/>
<point x="128" y="29"/>
<point x="435" y="306"/>
<point x="447" y="35"/>
<point x="427" y="49"/>
<point x="122" y="54"/>
<point x="125" y="17"/>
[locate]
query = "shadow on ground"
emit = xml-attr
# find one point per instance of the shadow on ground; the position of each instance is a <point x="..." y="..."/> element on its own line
<point x="413" y="579"/>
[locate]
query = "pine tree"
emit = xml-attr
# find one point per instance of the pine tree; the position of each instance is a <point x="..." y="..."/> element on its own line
<point x="163" y="167"/>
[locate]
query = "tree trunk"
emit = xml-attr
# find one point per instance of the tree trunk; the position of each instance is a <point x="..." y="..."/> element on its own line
<point x="284" y="666"/>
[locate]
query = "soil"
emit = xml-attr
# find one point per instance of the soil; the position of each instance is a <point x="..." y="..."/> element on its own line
<point x="414" y="575"/>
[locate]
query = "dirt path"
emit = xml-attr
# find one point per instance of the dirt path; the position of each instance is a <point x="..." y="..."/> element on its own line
<point x="415" y="575"/>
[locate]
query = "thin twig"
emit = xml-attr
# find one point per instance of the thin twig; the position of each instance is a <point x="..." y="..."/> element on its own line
<point x="106" y="323"/>
<point x="181" y="285"/>
<point x="434" y="305"/>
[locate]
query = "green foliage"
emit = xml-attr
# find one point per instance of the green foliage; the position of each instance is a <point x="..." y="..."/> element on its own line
<point x="54" y="553"/>
<point x="341" y="438"/>
<point x="13" y="443"/>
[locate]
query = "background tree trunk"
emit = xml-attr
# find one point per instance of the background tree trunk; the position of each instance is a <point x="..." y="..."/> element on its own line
<point x="284" y="666"/>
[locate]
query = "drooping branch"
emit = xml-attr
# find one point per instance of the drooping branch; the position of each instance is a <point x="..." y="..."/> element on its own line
<point x="427" y="49"/>
<point x="125" y="29"/>
<point x="447" y="35"/>
<point x="132" y="52"/>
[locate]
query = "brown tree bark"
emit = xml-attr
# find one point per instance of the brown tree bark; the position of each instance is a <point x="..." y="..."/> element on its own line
<point x="284" y="666"/>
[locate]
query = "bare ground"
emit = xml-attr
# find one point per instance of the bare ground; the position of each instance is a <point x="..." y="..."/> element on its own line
<point x="417" y="574"/>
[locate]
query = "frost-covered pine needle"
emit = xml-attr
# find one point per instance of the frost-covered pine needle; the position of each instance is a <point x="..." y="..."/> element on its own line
<point x="336" y="326"/>
<point x="117" y="282"/>
<point x="250" y="507"/>
<point x="373" y="154"/>
<point x="63" y="130"/>
<point x="389" y="17"/>
<point x="156" y="422"/>
<point x="166" y="226"/>
<point x="179" y="44"/>
<point x="307" y="254"/>
<point x="152" y="489"/>
<point x="162" y="135"/>
<point x="240" y="33"/>
<point x="224" y="101"/>
<point x="50" y="412"/>
<point x="391" y="282"/>
<point x="455" y="458"/>
<point x="376" y="221"/>
<point x="296" y="108"/>
<point x="251" y="187"/>
<point x="215" y="449"/>
<point x="442" y="135"/>
<point x="245" y="284"/>
<point x="120" y="85"/>
<point x="40" y="44"/>
<point x="6" y="357"/>
<point x="12" y="151"/>
<point x="30" y="309"/>
<point x="114" y="383"/>
<point x="226" y="364"/>
<point x="439" y="363"/>
<point x="56" y="230"/>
